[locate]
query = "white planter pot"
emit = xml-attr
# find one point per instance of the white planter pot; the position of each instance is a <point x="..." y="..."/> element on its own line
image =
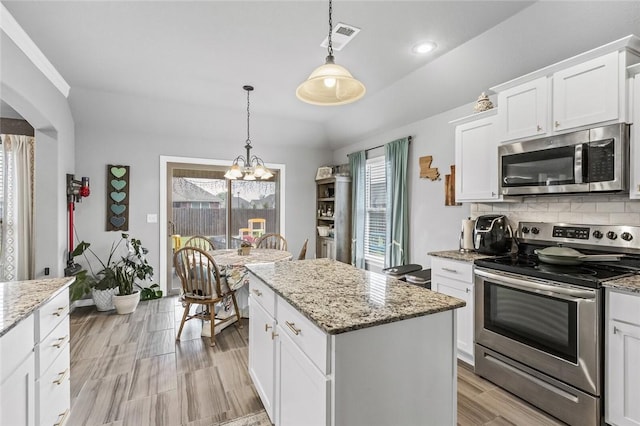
<point x="103" y="299"/>
<point x="127" y="303"/>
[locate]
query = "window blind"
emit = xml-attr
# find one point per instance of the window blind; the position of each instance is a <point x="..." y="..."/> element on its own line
<point x="376" y="208"/>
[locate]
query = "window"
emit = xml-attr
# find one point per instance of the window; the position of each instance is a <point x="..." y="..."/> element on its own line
<point x="376" y="209"/>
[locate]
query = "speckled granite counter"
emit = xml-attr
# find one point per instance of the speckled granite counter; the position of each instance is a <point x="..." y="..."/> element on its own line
<point x="338" y="297"/>
<point x="20" y="298"/>
<point x="458" y="255"/>
<point x="630" y="284"/>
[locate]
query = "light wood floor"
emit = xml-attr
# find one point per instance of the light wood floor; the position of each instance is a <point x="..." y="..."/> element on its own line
<point x="129" y="370"/>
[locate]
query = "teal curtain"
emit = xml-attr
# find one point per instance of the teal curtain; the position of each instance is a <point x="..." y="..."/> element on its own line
<point x="396" y="154"/>
<point x="357" y="166"/>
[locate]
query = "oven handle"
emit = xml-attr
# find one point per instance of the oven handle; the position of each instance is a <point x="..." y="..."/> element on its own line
<point x="570" y="294"/>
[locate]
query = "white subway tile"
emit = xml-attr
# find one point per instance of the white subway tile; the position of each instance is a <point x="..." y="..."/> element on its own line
<point x="596" y="218"/>
<point x="583" y="207"/>
<point x="610" y="207"/>
<point x="625" y="219"/>
<point x="569" y="217"/>
<point x="632" y="206"/>
<point x="559" y="207"/>
<point x="538" y="207"/>
<point x="518" y="207"/>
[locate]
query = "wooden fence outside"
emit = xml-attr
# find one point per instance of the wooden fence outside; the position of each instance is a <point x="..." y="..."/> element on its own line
<point x="212" y="222"/>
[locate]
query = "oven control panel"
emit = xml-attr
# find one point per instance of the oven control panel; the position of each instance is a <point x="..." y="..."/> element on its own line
<point x="610" y="237"/>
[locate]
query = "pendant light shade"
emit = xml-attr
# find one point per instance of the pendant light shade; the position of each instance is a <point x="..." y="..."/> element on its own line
<point x="330" y="84"/>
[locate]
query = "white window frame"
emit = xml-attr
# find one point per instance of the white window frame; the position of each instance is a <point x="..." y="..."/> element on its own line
<point x="372" y="259"/>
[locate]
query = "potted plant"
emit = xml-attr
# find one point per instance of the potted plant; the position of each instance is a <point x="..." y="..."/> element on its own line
<point x="245" y="248"/>
<point x="100" y="286"/>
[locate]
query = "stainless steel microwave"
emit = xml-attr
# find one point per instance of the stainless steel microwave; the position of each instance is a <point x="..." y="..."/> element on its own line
<point x="594" y="160"/>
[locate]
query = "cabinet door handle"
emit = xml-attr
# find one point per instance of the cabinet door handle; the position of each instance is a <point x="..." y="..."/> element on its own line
<point x="557" y="123"/>
<point x="274" y="335"/>
<point x="615" y="330"/>
<point x="59" y="311"/>
<point x="61" y="418"/>
<point x="60" y="342"/>
<point x="257" y="292"/>
<point x="453" y="271"/>
<point x="292" y="327"/>
<point x="468" y="290"/>
<point x="61" y="377"/>
<point x="539" y="127"/>
<point x="267" y="327"/>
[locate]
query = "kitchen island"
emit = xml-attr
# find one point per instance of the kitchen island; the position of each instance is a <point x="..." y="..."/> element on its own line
<point x="330" y="344"/>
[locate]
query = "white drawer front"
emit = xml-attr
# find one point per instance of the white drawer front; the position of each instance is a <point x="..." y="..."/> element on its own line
<point x="624" y="307"/>
<point x="263" y="294"/>
<point x="53" y="391"/>
<point x="462" y="271"/>
<point x="16" y="346"/>
<point x="51" y="313"/>
<point x="311" y="339"/>
<point x="52" y="346"/>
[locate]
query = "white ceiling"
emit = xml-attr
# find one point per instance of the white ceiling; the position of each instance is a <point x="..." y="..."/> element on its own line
<point x="203" y="52"/>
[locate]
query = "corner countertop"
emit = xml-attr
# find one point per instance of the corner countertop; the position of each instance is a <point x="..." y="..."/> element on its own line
<point x="339" y="298"/>
<point x="459" y="255"/>
<point x="19" y="299"/>
<point x="629" y="284"/>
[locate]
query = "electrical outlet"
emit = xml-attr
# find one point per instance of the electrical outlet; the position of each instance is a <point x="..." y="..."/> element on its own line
<point x="152" y="218"/>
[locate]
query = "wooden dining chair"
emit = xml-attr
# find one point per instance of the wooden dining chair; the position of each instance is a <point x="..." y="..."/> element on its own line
<point x="200" y="242"/>
<point x="272" y="241"/>
<point x="203" y="285"/>
<point x="303" y="250"/>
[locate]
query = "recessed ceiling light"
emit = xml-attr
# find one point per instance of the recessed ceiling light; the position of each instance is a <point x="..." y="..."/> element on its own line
<point x="423" y="47"/>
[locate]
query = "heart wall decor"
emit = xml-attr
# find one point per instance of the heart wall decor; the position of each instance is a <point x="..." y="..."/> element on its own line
<point x="117" y="197"/>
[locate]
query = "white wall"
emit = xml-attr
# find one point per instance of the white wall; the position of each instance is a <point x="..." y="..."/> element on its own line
<point x="36" y="99"/>
<point x="108" y="135"/>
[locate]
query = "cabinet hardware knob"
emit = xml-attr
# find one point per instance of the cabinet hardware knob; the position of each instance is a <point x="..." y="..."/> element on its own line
<point x="468" y="290"/>
<point x="539" y="127"/>
<point x="267" y="327"/>
<point x="615" y="330"/>
<point x="59" y="311"/>
<point x="61" y="418"/>
<point x="292" y="327"/>
<point x="61" y="377"/>
<point x="60" y="342"/>
<point x="450" y="270"/>
<point x="557" y="123"/>
<point x="257" y="292"/>
<point x="493" y="194"/>
<point x="274" y="335"/>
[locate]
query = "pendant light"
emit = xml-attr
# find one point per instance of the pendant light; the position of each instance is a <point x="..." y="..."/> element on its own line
<point x="330" y="84"/>
<point x="252" y="166"/>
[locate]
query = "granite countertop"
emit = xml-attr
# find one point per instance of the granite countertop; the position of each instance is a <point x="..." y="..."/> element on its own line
<point x="338" y="297"/>
<point x="630" y="284"/>
<point x="20" y="298"/>
<point x="458" y="255"/>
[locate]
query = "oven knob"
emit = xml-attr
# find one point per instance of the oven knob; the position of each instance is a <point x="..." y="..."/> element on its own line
<point x="597" y="234"/>
<point x="525" y="230"/>
<point x="612" y="235"/>
<point x="626" y="236"/>
<point x="535" y="230"/>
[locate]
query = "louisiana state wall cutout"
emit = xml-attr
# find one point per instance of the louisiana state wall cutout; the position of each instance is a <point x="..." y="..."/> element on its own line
<point x="117" y="198"/>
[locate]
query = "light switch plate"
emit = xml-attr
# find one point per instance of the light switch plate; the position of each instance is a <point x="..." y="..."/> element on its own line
<point x="152" y="218"/>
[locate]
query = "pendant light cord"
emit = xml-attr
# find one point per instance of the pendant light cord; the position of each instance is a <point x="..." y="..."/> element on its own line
<point x="248" y="115"/>
<point x="330" y="28"/>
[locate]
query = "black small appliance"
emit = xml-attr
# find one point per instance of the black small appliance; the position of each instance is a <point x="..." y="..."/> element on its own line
<point x="492" y="234"/>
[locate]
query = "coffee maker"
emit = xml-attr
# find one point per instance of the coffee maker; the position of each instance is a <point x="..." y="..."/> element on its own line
<point x="492" y="234"/>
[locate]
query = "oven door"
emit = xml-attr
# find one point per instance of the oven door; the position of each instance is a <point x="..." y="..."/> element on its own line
<point x="548" y="326"/>
<point x="542" y="166"/>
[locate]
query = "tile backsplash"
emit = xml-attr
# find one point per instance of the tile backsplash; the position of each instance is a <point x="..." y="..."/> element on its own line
<point x="579" y="209"/>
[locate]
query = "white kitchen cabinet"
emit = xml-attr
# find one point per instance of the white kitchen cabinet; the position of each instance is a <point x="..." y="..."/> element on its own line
<point x="262" y="348"/>
<point x="455" y="278"/>
<point x="634" y="172"/>
<point x="523" y="110"/>
<point x="17" y="375"/>
<point x="476" y="158"/>
<point x="587" y="93"/>
<point x="622" y="382"/>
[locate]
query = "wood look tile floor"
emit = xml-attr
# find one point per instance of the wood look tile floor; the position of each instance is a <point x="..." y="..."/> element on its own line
<point x="129" y="370"/>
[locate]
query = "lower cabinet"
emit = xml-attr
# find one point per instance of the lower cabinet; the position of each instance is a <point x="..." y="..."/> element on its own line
<point x="622" y="383"/>
<point x="455" y="278"/>
<point x="262" y="354"/>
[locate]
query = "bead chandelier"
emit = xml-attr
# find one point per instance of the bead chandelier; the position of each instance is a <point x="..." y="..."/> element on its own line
<point x="250" y="167"/>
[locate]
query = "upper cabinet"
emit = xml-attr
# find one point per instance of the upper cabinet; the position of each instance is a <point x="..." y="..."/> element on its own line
<point x="634" y="171"/>
<point x="523" y="110"/>
<point x="580" y="92"/>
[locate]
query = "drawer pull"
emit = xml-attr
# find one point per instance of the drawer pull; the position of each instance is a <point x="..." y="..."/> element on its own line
<point x="557" y="124"/>
<point x="257" y="292"/>
<point x="59" y="311"/>
<point x="454" y="271"/>
<point x="61" y="377"/>
<point x="292" y="327"/>
<point x="273" y="335"/>
<point x="539" y="128"/>
<point x="60" y="342"/>
<point x="615" y="330"/>
<point x="468" y="290"/>
<point x="61" y="418"/>
<point x="267" y="327"/>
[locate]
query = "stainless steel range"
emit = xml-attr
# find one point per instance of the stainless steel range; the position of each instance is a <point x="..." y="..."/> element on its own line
<point x="539" y="326"/>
